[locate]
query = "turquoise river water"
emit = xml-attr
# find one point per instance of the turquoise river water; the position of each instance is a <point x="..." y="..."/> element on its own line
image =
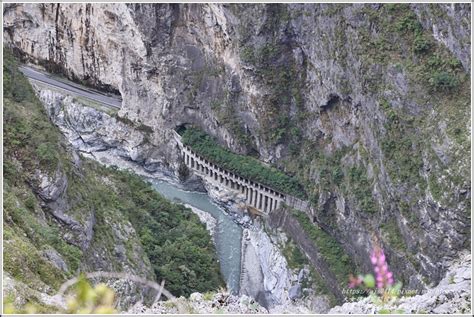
<point x="228" y="235"/>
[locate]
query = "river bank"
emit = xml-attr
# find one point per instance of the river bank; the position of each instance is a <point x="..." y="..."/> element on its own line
<point x="263" y="272"/>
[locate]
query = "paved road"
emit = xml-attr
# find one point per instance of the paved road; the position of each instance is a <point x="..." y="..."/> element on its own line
<point x="107" y="99"/>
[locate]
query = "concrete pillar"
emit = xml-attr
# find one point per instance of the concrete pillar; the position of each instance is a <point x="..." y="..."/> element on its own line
<point x="255" y="195"/>
<point x="259" y="199"/>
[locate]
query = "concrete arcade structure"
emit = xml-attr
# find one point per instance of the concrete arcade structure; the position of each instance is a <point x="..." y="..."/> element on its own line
<point x="259" y="196"/>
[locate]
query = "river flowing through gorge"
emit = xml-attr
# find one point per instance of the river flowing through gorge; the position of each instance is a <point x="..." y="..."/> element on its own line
<point x="251" y="261"/>
<point x="227" y="234"/>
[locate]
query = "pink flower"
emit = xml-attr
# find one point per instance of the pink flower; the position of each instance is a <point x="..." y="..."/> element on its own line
<point x="354" y="281"/>
<point x="382" y="275"/>
<point x="373" y="259"/>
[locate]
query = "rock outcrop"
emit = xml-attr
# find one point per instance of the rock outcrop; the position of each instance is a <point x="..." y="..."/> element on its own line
<point x="212" y="303"/>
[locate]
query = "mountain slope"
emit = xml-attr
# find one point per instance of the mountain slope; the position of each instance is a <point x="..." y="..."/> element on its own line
<point x="64" y="214"/>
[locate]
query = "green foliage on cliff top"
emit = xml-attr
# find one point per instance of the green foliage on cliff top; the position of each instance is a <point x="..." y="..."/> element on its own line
<point x="175" y="242"/>
<point x="241" y="165"/>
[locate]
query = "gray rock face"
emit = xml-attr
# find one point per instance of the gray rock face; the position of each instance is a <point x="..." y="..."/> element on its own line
<point x="451" y="30"/>
<point x="91" y="130"/>
<point x="295" y="291"/>
<point x="51" y="187"/>
<point x="56" y="259"/>
<point x="207" y="64"/>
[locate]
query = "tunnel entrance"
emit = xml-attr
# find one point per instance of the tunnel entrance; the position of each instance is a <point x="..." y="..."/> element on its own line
<point x="181" y="128"/>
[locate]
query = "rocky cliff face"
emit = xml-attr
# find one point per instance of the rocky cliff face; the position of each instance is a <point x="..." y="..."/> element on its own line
<point x="368" y="105"/>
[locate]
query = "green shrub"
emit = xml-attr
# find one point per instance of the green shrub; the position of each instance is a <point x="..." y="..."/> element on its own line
<point x="388" y="110"/>
<point x="294" y="257"/>
<point x="15" y="85"/>
<point x="362" y="189"/>
<point x="443" y="80"/>
<point x="47" y="154"/>
<point x="409" y="21"/>
<point x="247" y="54"/>
<point x="30" y="202"/>
<point x="421" y="44"/>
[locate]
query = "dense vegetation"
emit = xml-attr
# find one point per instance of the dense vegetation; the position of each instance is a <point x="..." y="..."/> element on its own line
<point x="337" y="259"/>
<point x="176" y="244"/>
<point x="241" y="165"/>
<point x="314" y="281"/>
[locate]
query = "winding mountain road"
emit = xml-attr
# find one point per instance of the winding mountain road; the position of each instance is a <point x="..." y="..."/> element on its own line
<point x="110" y="100"/>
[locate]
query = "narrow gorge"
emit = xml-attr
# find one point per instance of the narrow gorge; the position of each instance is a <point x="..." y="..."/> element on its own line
<point x="251" y="156"/>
